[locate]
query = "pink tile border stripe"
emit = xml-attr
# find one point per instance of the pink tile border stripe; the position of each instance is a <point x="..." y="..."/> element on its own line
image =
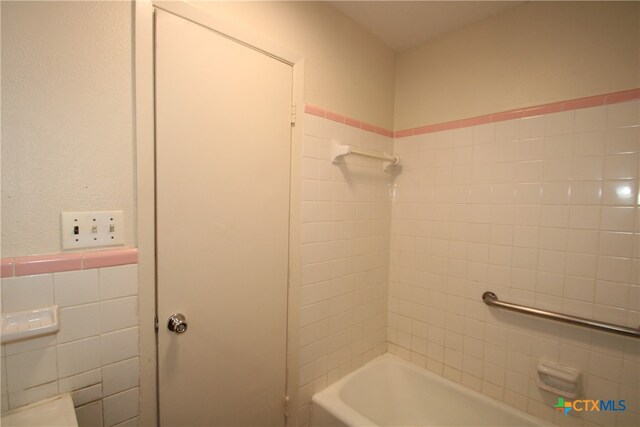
<point x="109" y="258"/>
<point x="555" y="107"/>
<point x="572" y="104"/>
<point x="55" y="263"/>
<point x="330" y="115"/>
<point x="6" y="269"/>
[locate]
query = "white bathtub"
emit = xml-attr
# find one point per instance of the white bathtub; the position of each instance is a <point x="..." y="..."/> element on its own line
<point x="391" y="392"/>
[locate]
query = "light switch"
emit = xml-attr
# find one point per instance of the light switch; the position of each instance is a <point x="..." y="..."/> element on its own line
<point x="92" y="229"/>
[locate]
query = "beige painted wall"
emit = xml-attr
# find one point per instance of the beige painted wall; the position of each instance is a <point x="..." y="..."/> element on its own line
<point x="67" y="119"/>
<point x="67" y="133"/>
<point x="534" y="54"/>
<point x="347" y="70"/>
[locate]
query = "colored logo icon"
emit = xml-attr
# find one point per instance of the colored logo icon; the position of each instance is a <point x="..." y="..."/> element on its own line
<point x="563" y="406"/>
<point x="590" y="406"/>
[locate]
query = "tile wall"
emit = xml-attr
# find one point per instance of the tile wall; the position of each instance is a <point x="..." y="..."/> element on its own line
<point x="543" y="211"/>
<point x="345" y="251"/>
<point x="94" y="356"/>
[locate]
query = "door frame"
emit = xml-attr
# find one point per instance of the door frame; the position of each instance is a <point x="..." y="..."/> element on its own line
<point x="144" y="93"/>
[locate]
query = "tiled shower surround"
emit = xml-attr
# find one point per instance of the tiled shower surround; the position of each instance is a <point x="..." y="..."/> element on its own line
<point x="346" y="226"/>
<point x="95" y="354"/>
<point x="543" y="211"/>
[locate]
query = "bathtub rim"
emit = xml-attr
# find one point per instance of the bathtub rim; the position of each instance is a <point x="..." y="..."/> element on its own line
<point x="329" y="398"/>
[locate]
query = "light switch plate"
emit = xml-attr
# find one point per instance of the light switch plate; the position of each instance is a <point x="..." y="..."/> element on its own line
<point x="92" y="229"/>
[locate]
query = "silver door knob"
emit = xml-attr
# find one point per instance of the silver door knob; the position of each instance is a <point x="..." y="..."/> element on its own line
<point x="177" y="323"/>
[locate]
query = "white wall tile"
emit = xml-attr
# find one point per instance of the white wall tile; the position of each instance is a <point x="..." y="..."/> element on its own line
<point x="332" y="130"/>
<point x="118" y="314"/>
<point x="85" y="395"/>
<point x="32" y="394"/>
<point x="583" y="241"/>
<point x="119" y="281"/>
<point x="528" y="193"/>
<point x="79" y="381"/>
<point x="90" y="415"/>
<point x="310" y="168"/>
<point x="486" y="133"/>
<point x="507" y="130"/>
<point x="76" y="287"/>
<point x="584" y="217"/>
<point x="616" y="244"/>
<point x="78" y="322"/>
<point x="587" y="119"/>
<point x="346" y="226"/>
<point x="617" y="219"/>
<point x="554" y="216"/>
<point x="529" y="149"/>
<point x="3" y="376"/>
<point x="133" y="422"/>
<point x="569" y="247"/>
<point x="30" y="344"/>
<point x="70" y="360"/>
<point x="619" y="193"/>
<point x="558" y="146"/>
<point x="559" y="123"/>
<point x="586" y="168"/>
<point x="120" y="407"/>
<point x="31" y="368"/>
<point x="530" y="171"/>
<point x="623" y="114"/>
<point x="526" y="236"/>
<point x="556" y="169"/>
<point x="581" y="265"/>
<point x="23" y="293"/>
<point x="119" y="345"/>
<point x="586" y="192"/>
<point x="579" y="288"/>
<point x="611" y="293"/>
<point x="589" y="143"/>
<point x="610" y="314"/>
<point x="78" y="356"/>
<point x="620" y="166"/>
<point x="120" y="376"/>
<point x="312" y="125"/>
<point x="556" y="193"/>
<point x="614" y="269"/>
<point x="625" y="140"/>
<point x="310" y="146"/>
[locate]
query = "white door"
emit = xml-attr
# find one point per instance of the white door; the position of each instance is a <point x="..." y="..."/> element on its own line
<point x="222" y="175"/>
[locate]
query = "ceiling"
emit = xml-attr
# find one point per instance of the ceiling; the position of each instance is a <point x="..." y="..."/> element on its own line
<point x="406" y="24"/>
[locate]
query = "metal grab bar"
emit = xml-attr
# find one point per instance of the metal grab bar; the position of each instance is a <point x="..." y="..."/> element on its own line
<point x="492" y="300"/>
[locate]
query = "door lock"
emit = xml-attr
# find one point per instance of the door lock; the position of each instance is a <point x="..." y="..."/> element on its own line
<point x="177" y="323"/>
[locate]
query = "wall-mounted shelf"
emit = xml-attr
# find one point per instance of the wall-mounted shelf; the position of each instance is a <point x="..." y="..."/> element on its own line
<point x="558" y="378"/>
<point x="339" y="151"/>
<point x="29" y="324"/>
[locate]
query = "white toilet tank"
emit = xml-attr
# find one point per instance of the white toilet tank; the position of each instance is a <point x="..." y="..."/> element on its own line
<point x="57" y="411"/>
